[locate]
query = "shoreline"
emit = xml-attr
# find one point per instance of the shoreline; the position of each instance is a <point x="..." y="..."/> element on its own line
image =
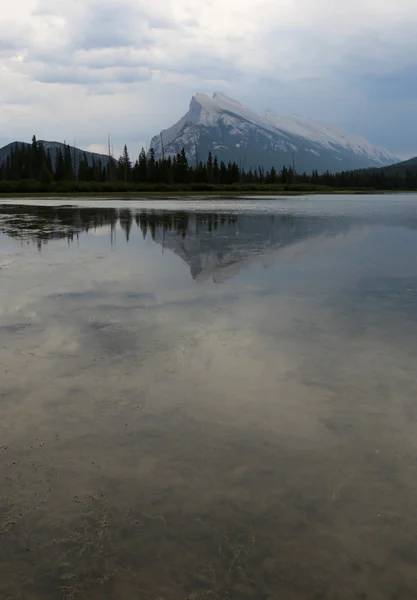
<point x="185" y="195"/>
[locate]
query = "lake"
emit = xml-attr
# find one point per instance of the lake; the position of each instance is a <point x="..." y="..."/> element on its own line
<point x="208" y="399"/>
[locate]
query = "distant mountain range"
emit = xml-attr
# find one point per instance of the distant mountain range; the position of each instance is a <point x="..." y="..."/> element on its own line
<point x="234" y="132"/>
<point x="53" y="148"/>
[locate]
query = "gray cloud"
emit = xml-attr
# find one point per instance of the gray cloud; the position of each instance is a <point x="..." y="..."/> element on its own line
<point x="111" y="26"/>
<point x="14" y="37"/>
<point x="190" y="22"/>
<point x="89" y="77"/>
<point x="354" y="63"/>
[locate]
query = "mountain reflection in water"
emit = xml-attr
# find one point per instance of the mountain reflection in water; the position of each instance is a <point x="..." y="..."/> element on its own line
<point x="214" y="245"/>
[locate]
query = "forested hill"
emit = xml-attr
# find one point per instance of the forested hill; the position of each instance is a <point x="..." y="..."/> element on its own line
<point x="54" y="149"/>
<point x="32" y="168"/>
<point x="402" y="168"/>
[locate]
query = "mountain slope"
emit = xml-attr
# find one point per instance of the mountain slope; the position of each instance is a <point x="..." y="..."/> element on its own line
<point x="402" y="168"/>
<point x="234" y="132"/>
<point x="53" y="148"/>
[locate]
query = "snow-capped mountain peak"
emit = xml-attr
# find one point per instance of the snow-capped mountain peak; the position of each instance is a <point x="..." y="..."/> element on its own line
<point x="328" y="135"/>
<point x="209" y="109"/>
<point x="233" y="131"/>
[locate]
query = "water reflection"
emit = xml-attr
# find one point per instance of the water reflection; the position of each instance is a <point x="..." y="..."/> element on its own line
<point x="164" y="437"/>
<point x="42" y="223"/>
<point x="214" y="245"/>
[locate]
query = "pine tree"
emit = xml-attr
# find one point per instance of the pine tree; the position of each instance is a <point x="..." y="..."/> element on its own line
<point x="93" y="169"/>
<point x="35" y="167"/>
<point x="223" y="173"/>
<point x="151" y="166"/>
<point x="272" y="176"/>
<point x="45" y="176"/>
<point x="83" y="169"/>
<point x="69" y="169"/>
<point x="124" y="166"/>
<point x="233" y="172"/>
<point x="210" y="167"/>
<point x="59" y="166"/>
<point x="127" y="165"/>
<point x="216" y="171"/>
<point x="143" y="167"/>
<point x="49" y="162"/>
<point x="183" y="167"/>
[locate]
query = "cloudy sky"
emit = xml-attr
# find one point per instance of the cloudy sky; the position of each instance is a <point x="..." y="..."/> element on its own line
<point x="80" y="69"/>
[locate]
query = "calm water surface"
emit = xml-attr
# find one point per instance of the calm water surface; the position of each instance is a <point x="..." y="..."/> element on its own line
<point x="209" y="400"/>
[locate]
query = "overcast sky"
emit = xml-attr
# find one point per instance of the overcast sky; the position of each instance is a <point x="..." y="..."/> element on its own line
<point x="85" y="68"/>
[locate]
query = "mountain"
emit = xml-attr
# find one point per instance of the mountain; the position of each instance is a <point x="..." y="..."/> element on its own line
<point x="402" y="168"/>
<point x="234" y="132"/>
<point x="53" y="148"/>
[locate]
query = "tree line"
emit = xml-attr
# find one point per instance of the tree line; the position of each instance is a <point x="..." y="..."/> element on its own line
<point x="30" y="167"/>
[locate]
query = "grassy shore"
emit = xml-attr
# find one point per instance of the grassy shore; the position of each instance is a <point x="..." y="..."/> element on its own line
<point x="223" y="194"/>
